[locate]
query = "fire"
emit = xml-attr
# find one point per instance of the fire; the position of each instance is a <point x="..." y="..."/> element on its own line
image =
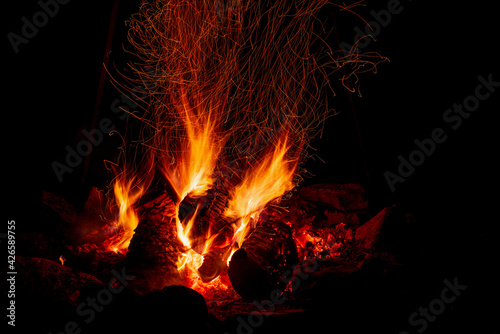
<point x="126" y="195"/>
<point x="315" y="244"/>
<point x="224" y="71"/>
<point x="270" y="179"/>
<point x="191" y="258"/>
<point x="195" y="162"/>
<point x="190" y="261"/>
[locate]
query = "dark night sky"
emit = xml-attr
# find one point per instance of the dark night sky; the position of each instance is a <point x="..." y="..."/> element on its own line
<point x="436" y="53"/>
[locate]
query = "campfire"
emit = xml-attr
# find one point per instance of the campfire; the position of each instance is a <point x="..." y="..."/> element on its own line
<point x="198" y="198"/>
<point x="206" y="196"/>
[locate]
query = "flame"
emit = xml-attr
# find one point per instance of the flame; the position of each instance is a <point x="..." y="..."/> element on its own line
<point x="126" y="195"/>
<point x="270" y="179"/>
<point x="190" y="261"/>
<point x="224" y="71"/>
<point x="191" y="258"/>
<point x="195" y="162"/>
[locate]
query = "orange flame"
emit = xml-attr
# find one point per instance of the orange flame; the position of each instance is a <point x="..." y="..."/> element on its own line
<point x="191" y="258"/>
<point x="225" y="69"/>
<point x="191" y="173"/>
<point x="270" y="179"/>
<point x="190" y="261"/>
<point x="126" y="195"/>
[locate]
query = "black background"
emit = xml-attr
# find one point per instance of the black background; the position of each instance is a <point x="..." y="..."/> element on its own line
<point x="436" y="53"/>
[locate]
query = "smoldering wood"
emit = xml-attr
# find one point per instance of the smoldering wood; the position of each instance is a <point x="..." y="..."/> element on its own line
<point x="210" y="214"/>
<point x="155" y="247"/>
<point x="258" y="266"/>
<point x="213" y="265"/>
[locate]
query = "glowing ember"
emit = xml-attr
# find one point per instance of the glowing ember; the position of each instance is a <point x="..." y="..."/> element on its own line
<point x="190" y="262"/>
<point x="321" y="242"/>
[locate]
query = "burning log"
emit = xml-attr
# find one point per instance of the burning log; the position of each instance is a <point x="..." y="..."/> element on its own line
<point x="210" y="212"/>
<point x="213" y="265"/>
<point x="211" y="217"/>
<point x="258" y="266"/>
<point x="155" y="248"/>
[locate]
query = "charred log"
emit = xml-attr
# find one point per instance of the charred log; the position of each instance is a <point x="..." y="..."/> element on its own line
<point x="210" y="214"/>
<point x="258" y="266"/>
<point x="155" y="247"/>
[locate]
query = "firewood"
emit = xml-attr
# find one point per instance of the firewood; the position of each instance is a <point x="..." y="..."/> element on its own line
<point x="210" y="214"/>
<point x="155" y="247"/>
<point x="213" y="265"/>
<point x="258" y="266"/>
